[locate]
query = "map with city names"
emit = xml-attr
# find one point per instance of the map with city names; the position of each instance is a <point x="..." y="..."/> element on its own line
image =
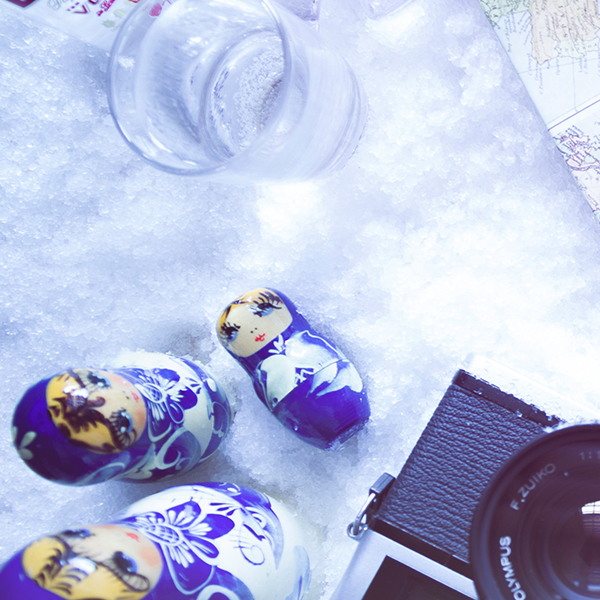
<point x="555" y="47"/>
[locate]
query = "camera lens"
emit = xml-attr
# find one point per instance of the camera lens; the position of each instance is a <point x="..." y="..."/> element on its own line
<point x="536" y="531"/>
<point x="574" y="551"/>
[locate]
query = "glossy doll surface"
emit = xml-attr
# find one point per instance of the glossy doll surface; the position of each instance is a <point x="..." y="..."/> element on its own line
<point x="156" y="417"/>
<point x="302" y="377"/>
<point x="210" y="541"/>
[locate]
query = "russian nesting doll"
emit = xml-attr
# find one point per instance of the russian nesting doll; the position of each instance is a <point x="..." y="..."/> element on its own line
<point x="210" y="541"/>
<point x="152" y="416"/>
<point x="302" y="377"/>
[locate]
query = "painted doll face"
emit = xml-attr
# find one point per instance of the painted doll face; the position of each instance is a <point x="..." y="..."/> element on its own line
<point x="252" y="321"/>
<point x="104" y="562"/>
<point x="97" y="410"/>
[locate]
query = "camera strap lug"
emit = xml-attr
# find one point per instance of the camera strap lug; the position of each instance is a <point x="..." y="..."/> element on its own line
<point x="377" y="492"/>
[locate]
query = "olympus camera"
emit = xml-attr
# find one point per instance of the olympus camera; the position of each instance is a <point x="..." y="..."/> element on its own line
<point x="499" y="499"/>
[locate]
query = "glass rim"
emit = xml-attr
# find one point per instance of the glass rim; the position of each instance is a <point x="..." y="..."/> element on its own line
<point x="271" y="123"/>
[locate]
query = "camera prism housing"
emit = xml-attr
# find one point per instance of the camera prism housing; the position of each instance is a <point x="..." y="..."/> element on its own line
<point x="416" y="545"/>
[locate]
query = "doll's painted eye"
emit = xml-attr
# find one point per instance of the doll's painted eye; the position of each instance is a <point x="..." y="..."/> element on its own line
<point x="262" y="309"/>
<point x="229" y="332"/>
<point x="123" y="422"/>
<point x="121" y="427"/>
<point x="124" y="563"/>
<point x="77" y="533"/>
<point x="98" y="380"/>
<point x="125" y="568"/>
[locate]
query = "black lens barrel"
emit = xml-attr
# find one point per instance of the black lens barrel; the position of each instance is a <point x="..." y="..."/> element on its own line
<point x="536" y="531"/>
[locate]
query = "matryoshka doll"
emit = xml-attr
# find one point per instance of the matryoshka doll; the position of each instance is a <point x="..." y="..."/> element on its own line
<point x="211" y="541"/>
<point x="152" y="416"/>
<point x="302" y="378"/>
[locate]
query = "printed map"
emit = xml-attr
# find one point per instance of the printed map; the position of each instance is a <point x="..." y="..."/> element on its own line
<point x="555" y="47"/>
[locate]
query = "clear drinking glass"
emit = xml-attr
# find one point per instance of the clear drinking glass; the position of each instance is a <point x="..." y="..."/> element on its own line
<point x="235" y="90"/>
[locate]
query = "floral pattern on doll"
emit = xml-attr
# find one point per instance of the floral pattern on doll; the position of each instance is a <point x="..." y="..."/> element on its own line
<point x="301" y="356"/>
<point x="169" y="396"/>
<point x="174" y="409"/>
<point x="303" y="574"/>
<point x="192" y="535"/>
<point x="186" y="537"/>
<point x="258" y="506"/>
<point x="24" y="452"/>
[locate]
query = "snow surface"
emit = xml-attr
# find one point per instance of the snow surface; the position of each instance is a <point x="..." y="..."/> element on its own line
<point x="455" y="228"/>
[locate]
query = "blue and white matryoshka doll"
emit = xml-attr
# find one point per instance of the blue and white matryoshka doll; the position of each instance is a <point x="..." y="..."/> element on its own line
<point x="152" y="416"/>
<point x="211" y="541"/>
<point x="302" y="378"/>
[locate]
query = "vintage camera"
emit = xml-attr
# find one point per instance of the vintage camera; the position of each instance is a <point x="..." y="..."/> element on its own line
<point x="497" y="500"/>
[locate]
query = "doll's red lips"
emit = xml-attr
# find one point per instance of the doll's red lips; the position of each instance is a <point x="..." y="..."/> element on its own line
<point x="260" y="338"/>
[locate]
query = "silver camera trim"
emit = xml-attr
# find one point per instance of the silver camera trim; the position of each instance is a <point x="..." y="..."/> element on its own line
<point x="373" y="547"/>
<point x="369" y="556"/>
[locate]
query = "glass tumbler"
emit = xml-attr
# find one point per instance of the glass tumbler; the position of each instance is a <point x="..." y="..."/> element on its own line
<point x="234" y="90"/>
